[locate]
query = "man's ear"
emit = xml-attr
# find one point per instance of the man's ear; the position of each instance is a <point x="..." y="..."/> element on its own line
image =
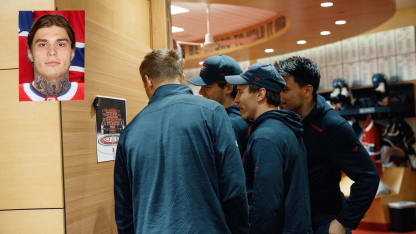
<point x="308" y="90"/>
<point x="147" y="81"/>
<point x="261" y="94"/>
<point x="228" y="88"/>
<point x="29" y="55"/>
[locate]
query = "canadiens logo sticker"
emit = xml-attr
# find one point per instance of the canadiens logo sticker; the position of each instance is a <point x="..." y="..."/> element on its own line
<point x="109" y="139"/>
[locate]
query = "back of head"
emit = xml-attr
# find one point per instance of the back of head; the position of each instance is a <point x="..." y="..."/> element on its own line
<point x="303" y="70"/>
<point x="161" y="65"/>
<point x="46" y="21"/>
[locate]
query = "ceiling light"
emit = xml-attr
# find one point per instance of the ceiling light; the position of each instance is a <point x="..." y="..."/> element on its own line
<point x="324" y="33"/>
<point x="201" y="62"/>
<point x="269" y="50"/>
<point x="340" y="22"/>
<point x="176" y="29"/>
<point x="174" y="10"/>
<point x="301" y="42"/>
<point x="327" y="4"/>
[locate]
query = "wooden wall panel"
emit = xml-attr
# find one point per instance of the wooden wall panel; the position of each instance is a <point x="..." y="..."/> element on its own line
<point x="110" y="71"/>
<point x="9" y="14"/>
<point x="49" y="221"/>
<point x="161" y="22"/>
<point x="129" y="18"/>
<point x="117" y="38"/>
<point x="30" y="152"/>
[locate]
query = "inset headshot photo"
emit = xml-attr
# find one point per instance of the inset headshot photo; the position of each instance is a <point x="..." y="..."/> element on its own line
<point x="51" y="55"/>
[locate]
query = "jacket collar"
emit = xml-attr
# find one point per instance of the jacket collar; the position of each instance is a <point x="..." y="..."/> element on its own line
<point x="233" y="109"/>
<point x="168" y="90"/>
<point x="320" y="108"/>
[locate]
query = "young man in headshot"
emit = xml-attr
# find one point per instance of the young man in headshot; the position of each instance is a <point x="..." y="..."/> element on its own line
<point x="332" y="147"/>
<point x="51" y="48"/>
<point x="177" y="168"/>
<point x="214" y="87"/>
<point x="275" y="160"/>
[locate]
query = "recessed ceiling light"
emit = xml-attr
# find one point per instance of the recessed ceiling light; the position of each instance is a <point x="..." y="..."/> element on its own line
<point x="340" y="22"/>
<point x="201" y="62"/>
<point x="327" y="4"/>
<point x="324" y="33"/>
<point x="269" y="50"/>
<point x="174" y="10"/>
<point x="176" y="29"/>
<point x="301" y="42"/>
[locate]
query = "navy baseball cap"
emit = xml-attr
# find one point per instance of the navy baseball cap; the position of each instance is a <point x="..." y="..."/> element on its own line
<point x="214" y="69"/>
<point x="262" y="75"/>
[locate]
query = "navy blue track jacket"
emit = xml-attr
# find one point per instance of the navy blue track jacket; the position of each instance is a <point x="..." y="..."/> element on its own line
<point x="333" y="147"/>
<point x="240" y="127"/>
<point x="178" y="169"/>
<point x="277" y="175"/>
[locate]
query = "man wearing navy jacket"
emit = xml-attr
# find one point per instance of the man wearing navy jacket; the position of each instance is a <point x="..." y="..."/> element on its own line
<point x="214" y="87"/>
<point x="332" y="147"/>
<point x="275" y="159"/>
<point x="178" y="169"/>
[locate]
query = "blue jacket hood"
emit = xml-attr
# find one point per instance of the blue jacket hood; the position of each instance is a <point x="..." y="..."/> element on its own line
<point x="289" y="118"/>
<point x="233" y="109"/>
<point x="320" y="109"/>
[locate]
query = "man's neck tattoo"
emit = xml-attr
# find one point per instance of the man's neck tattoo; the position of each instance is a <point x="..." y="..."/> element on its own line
<point x="50" y="88"/>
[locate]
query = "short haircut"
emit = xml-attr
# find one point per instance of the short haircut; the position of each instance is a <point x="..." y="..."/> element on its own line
<point x="162" y="64"/>
<point x="273" y="98"/>
<point x="223" y="83"/>
<point x="48" y="21"/>
<point x="303" y="70"/>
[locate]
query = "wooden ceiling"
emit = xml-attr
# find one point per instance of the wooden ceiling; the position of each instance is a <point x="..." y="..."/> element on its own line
<point x="307" y="19"/>
<point x="236" y="18"/>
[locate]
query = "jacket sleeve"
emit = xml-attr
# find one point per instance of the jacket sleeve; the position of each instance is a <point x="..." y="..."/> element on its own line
<point x="231" y="173"/>
<point x="122" y="194"/>
<point x="348" y="154"/>
<point x="268" y="187"/>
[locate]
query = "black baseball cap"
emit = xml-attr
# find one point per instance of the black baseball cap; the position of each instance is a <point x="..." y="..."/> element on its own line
<point x="214" y="69"/>
<point x="262" y="75"/>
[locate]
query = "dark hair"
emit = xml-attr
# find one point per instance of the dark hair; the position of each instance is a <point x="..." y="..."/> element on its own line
<point x="303" y="70"/>
<point x="223" y="83"/>
<point x="51" y="20"/>
<point x="273" y="98"/>
<point x="160" y="64"/>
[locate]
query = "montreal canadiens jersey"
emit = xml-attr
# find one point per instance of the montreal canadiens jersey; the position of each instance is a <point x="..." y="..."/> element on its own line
<point x="370" y="138"/>
<point x="27" y="92"/>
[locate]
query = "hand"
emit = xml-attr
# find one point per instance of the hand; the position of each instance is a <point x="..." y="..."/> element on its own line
<point x="336" y="227"/>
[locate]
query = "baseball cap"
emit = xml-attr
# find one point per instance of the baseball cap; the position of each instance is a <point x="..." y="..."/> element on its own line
<point x="262" y="75"/>
<point x="214" y="69"/>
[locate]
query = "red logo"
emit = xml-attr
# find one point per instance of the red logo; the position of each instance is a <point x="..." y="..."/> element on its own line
<point x="111" y="139"/>
<point x="221" y="74"/>
<point x="256" y="79"/>
<point x="316" y="127"/>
